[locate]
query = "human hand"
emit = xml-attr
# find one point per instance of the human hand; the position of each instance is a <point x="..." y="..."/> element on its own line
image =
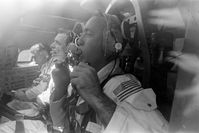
<point x="20" y="95"/>
<point x="60" y="75"/>
<point x="36" y="81"/>
<point x="187" y="62"/>
<point x="39" y="102"/>
<point x="61" y="81"/>
<point x="85" y="80"/>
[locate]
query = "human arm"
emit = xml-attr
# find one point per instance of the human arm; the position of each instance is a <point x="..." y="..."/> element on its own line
<point x="127" y="115"/>
<point x="36" y="81"/>
<point x="136" y="113"/>
<point x="128" y="119"/>
<point x="19" y="94"/>
<point x="61" y="81"/>
<point x="136" y="109"/>
<point x="85" y="80"/>
<point x="186" y="61"/>
<point x="103" y="106"/>
<point x="44" y="97"/>
<point x="58" y="97"/>
<point x="30" y="94"/>
<point x="57" y="111"/>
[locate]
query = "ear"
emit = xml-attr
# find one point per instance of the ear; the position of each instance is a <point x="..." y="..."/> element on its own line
<point x="111" y="42"/>
<point x="108" y="43"/>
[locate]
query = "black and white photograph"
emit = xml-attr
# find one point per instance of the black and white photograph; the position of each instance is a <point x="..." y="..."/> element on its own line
<point x="99" y="66"/>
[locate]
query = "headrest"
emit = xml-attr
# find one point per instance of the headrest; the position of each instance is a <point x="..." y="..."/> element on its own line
<point x="129" y="27"/>
<point x="113" y="25"/>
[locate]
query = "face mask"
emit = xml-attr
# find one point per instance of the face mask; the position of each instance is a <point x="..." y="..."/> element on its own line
<point x="74" y="54"/>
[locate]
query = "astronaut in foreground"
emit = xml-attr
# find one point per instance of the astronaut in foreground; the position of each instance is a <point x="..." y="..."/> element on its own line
<point x="106" y="99"/>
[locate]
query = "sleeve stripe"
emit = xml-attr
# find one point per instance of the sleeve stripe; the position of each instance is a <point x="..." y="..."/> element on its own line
<point x="129" y="85"/>
<point x="117" y="90"/>
<point x="126" y="85"/>
<point x="127" y="88"/>
<point x="126" y="96"/>
<point x="130" y="82"/>
<point x="126" y="92"/>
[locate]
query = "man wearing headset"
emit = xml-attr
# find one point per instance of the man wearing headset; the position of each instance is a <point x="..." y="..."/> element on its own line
<point x="109" y="101"/>
<point x="58" y="49"/>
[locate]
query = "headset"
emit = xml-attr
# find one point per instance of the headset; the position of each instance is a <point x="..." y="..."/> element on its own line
<point x="112" y="38"/>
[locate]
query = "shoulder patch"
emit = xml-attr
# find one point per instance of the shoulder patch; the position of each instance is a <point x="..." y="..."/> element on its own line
<point x="127" y="88"/>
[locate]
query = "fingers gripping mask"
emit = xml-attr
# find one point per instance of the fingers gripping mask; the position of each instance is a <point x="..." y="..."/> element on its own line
<point x="112" y="37"/>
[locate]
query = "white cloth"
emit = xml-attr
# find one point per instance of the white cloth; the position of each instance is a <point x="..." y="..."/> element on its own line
<point x="44" y="97"/>
<point x="46" y="70"/>
<point x="135" y="116"/>
<point x="25" y="126"/>
<point x="36" y="90"/>
<point x="136" y="107"/>
<point x="32" y="126"/>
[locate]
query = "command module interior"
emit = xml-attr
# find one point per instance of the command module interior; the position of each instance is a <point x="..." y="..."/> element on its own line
<point x="99" y="66"/>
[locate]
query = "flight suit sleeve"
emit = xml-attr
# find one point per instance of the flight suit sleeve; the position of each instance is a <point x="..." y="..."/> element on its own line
<point x="136" y="109"/>
<point x="33" y="92"/>
<point x="129" y="118"/>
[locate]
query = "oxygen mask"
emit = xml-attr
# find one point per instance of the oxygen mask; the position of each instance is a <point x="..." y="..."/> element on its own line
<point x="74" y="54"/>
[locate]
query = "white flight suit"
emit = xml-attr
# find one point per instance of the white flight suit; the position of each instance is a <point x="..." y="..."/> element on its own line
<point x="136" y="110"/>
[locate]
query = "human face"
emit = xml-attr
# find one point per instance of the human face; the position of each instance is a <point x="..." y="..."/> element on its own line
<point x="91" y="42"/>
<point x="59" y="48"/>
<point x="41" y="57"/>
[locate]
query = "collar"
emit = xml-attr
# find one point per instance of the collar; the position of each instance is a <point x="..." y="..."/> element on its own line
<point x="106" y="70"/>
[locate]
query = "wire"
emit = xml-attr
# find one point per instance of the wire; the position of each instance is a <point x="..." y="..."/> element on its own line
<point x="115" y="61"/>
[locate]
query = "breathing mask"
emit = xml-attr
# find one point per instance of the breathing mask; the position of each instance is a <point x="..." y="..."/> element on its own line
<point x="74" y="55"/>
